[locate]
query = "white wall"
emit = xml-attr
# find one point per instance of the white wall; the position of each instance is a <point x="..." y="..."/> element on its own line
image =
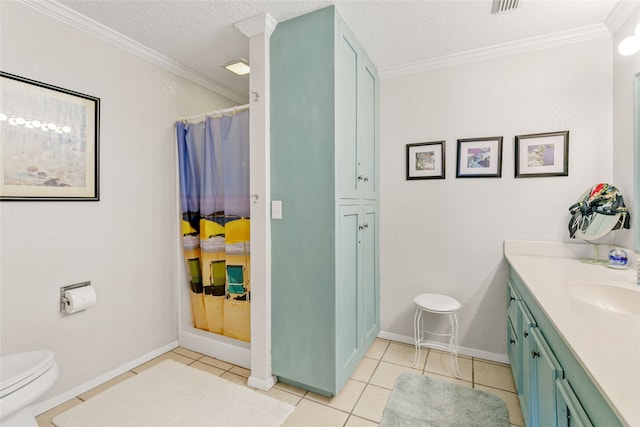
<point x="624" y="68"/>
<point x="126" y="243"/>
<point x="447" y="235"/>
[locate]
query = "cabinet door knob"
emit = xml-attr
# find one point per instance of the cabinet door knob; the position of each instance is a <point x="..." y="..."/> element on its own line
<point x="512" y="341"/>
<point x="525" y="334"/>
<point x="512" y="299"/>
<point x="366" y="179"/>
<point x="360" y="177"/>
<point x="366" y="225"/>
<point x="534" y="354"/>
<point x="361" y="227"/>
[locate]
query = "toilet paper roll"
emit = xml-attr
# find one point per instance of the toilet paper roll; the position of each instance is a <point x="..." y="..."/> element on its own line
<point x="79" y="299"/>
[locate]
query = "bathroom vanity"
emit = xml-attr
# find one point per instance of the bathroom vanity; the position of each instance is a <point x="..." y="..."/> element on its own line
<point x="574" y="337"/>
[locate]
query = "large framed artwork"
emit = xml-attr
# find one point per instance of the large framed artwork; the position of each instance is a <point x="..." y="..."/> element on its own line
<point x="542" y="154"/>
<point x="49" y="142"/>
<point x="425" y="160"/>
<point x="479" y="158"/>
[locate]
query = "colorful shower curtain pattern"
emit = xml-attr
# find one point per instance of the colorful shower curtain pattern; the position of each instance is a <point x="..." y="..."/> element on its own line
<point x="214" y="200"/>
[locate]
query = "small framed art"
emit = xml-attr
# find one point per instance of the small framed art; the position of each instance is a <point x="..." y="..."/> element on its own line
<point x="542" y="154"/>
<point x="425" y="160"/>
<point x="49" y="142"/>
<point x="479" y="158"/>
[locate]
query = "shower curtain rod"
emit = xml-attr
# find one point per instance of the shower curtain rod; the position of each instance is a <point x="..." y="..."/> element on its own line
<point x="217" y="113"/>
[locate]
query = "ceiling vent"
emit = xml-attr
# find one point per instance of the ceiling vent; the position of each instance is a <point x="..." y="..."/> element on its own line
<point x="500" y="6"/>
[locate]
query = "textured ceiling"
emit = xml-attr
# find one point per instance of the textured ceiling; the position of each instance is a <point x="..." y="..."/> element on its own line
<point x="202" y="36"/>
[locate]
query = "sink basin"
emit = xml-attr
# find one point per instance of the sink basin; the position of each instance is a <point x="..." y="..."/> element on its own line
<point x="606" y="297"/>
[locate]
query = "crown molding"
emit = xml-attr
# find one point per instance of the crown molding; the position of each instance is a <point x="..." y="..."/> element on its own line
<point x="71" y="17"/>
<point x="498" y="51"/>
<point x="620" y="14"/>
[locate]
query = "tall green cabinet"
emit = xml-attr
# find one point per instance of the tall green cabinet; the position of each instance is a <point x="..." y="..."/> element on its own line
<point x="325" y="290"/>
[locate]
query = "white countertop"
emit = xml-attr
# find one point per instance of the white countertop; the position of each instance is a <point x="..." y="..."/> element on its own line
<point x="606" y="343"/>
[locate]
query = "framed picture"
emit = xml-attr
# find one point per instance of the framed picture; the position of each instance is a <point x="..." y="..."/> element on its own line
<point x="49" y="142"/>
<point x="425" y="160"/>
<point x="542" y="154"/>
<point x="479" y="158"/>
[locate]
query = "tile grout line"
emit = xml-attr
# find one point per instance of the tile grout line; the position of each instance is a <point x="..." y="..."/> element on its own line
<point x="366" y="384"/>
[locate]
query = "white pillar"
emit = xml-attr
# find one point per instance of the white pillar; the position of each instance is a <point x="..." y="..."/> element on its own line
<point x="259" y="29"/>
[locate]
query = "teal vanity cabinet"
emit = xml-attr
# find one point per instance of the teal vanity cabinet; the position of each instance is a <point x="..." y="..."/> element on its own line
<point x="324" y="250"/>
<point x="553" y="388"/>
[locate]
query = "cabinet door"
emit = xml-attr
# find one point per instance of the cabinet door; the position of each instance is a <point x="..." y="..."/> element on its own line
<point x="527" y="398"/>
<point x="547" y="370"/>
<point x="512" y="304"/>
<point x="356" y="119"/>
<point x="570" y="412"/>
<point x="357" y="294"/>
<point x="347" y="286"/>
<point x="512" y="349"/>
<point x="367" y="130"/>
<point x="513" y="338"/>
<point x="346" y="113"/>
<point x="369" y="249"/>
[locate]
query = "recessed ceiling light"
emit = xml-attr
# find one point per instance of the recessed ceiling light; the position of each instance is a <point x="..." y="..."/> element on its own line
<point x="630" y="45"/>
<point x="239" y="67"/>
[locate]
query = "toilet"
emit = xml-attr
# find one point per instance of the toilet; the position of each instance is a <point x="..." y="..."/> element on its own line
<point x="24" y="377"/>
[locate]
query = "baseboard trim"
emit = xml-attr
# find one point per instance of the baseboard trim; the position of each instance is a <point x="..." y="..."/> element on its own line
<point x="465" y="351"/>
<point x="76" y="391"/>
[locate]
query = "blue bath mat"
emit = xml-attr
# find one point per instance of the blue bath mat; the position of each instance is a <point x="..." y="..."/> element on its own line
<point x="417" y="400"/>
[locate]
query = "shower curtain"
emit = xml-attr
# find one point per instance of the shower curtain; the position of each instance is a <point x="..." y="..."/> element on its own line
<point x="214" y="200"/>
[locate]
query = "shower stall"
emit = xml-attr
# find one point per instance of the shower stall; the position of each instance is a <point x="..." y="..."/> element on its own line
<point x="213" y="169"/>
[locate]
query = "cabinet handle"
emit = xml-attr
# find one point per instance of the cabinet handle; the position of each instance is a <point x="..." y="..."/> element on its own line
<point x="366" y="226"/>
<point x="534" y="354"/>
<point x="366" y="179"/>
<point x="360" y="177"/>
<point x="512" y="341"/>
<point x="512" y="299"/>
<point x="361" y="227"/>
<point x="525" y="334"/>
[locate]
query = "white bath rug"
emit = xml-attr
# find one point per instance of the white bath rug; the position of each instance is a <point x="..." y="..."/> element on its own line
<point x="171" y="394"/>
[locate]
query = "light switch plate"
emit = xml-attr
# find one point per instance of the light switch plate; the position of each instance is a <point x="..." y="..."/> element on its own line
<point x="276" y="209"/>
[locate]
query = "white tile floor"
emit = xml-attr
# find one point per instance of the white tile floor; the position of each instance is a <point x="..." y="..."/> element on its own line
<point x="363" y="398"/>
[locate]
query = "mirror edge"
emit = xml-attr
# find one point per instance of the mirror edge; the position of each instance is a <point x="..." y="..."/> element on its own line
<point x="636" y="134"/>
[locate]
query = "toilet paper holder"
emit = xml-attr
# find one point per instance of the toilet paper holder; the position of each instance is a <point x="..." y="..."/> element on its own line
<point x="63" y="299"/>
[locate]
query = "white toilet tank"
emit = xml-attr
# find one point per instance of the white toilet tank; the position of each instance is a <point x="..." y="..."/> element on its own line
<point x="24" y="377"/>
